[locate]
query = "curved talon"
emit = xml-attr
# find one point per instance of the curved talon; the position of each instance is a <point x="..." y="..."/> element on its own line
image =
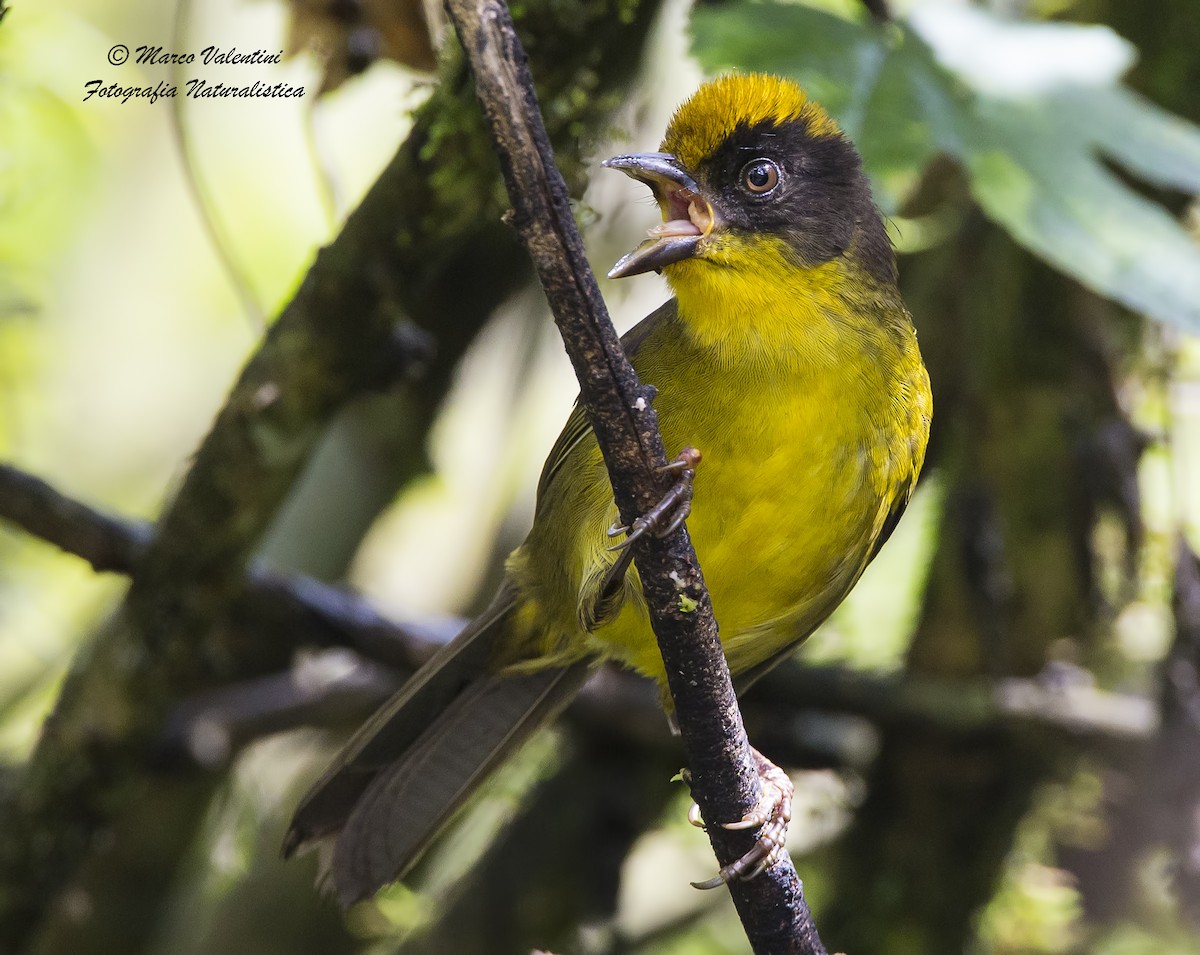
<point x="774" y="805"/>
<point x="771" y="817"/>
<point x="681" y="515"/>
<point x="615" y="529"/>
<point x="631" y="534"/>
<point x="685" y="460"/>
<point x="753" y="863"/>
<point x="676" y="504"/>
<point x="695" y="818"/>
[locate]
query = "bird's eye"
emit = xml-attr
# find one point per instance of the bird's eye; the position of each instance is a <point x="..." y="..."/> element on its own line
<point x="760" y="176"/>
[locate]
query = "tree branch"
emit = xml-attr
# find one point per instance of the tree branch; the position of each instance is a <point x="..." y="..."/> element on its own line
<point x="724" y="781"/>
<point x="1065" y="703"/>
<point x="107" y="543"/>
<point x="334" y="688"/>
<point x="330" y="689"/>
<point x="292" y="609"/>
<point x="284" y="610"/>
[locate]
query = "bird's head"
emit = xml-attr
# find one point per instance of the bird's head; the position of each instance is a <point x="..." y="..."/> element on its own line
<point x="752" y="170"/>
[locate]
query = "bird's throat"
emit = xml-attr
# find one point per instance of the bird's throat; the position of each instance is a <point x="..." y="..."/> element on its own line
<point x="751" y="303"/>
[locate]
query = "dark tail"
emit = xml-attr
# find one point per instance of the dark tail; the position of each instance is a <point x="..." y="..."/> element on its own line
<point x="415" y="762"/>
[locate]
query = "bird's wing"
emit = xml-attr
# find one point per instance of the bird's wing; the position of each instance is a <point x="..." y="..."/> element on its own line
<point x="577" y="427"/>
<point x="405" y="773"/>
<point x="441" y="734"/>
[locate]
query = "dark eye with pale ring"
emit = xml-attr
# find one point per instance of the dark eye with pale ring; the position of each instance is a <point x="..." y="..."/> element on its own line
<point x="760" y="176"/>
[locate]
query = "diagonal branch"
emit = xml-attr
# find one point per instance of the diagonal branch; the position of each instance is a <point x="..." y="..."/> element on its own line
<point x="724" y="782"/>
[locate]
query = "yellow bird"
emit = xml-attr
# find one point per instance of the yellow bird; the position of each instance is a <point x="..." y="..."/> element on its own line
<point x="788" y="358"/>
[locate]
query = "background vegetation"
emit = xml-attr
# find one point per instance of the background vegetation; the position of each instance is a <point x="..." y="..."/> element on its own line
<point x="995" y="741"/>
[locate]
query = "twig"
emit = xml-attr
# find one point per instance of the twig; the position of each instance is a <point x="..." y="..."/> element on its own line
<point x="202" y="199"/>
<point x="331" y="688"/>
<point x="1066" y="704"/>
<point x="724" y="782"/>
<point x="107" y="543"/>
<point x="285" y="609"/>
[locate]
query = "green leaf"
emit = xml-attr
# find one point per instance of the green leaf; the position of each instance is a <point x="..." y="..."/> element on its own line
<point x="1030" y="110"/>
<point x="1151" y="143"/>
<point x="1054" y="196"/>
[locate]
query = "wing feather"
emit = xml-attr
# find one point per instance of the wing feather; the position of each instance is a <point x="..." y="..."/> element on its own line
<point x="578" y="427"/>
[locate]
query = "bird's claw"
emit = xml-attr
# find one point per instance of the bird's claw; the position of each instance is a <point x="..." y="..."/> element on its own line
<point x="685" y="460"/>
<point x="771" y="817"/>
<point x="668" y="514"/>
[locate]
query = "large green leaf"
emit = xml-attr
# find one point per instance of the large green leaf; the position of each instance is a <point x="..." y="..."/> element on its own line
<point x="1030" y="110"/>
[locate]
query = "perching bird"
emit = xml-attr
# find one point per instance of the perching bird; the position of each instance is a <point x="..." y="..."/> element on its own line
<point x="788" y="358"/>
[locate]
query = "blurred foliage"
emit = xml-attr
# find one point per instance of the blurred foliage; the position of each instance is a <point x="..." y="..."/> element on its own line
<point x="119" y="334"/>
<point x="47" y="142"/>
<point x="1036" y="908"/>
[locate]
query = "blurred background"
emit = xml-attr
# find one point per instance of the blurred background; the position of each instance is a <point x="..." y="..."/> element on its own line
<point x="995" y="741"/>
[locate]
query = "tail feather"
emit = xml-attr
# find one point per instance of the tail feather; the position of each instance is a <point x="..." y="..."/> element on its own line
<point x="407" y="804"/>
<point x="396" y="725"/>
<point x="408" y="769"/>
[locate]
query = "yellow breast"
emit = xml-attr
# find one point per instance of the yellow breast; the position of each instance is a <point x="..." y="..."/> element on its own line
<point x="811" y="411"/>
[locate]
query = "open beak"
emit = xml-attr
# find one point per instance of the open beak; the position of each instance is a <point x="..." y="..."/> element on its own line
<point x="688" y="217"/>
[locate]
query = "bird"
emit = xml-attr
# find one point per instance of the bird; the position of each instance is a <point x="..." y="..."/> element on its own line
<point x="787" y="357"/>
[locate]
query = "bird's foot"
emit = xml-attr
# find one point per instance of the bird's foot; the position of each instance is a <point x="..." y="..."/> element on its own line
<point x="665" y="516"/>
<point x="771" y="817"/>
